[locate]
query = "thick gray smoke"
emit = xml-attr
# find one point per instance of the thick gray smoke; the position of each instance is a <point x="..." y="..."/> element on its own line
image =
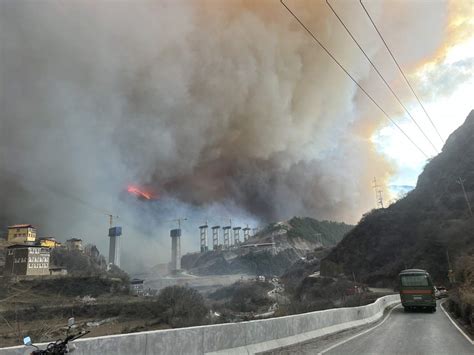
<point x="225" y="108"/>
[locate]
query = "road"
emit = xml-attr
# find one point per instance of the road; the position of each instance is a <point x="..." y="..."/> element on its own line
<point x="400" y="333"/>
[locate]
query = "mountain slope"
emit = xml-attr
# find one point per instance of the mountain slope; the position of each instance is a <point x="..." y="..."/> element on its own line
<point x="271" y="251"/>
<point x="420" y="229"/>
<point x="303" y="233"/>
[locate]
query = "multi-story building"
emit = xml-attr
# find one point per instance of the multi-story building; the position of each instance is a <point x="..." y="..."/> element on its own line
<point x="74" y="244"/>
<point x="24" y="259"/>
<point x="49" y="242"/>
<point x="21" y="233"/>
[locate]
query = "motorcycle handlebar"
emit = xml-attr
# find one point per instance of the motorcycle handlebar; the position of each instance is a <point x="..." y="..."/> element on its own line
<point x="60" y="346"/>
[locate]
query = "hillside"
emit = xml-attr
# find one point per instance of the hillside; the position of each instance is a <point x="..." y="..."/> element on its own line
<point x="299" y="231"/>
<point x="420" y="229"/>
<point x="271" y="251"/>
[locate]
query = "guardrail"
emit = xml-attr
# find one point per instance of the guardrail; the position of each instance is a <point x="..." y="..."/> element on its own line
<point x="245" y="337"/>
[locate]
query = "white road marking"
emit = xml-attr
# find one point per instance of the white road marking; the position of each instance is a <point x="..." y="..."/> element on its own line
<point x="457" y="327"/>
<point x="358" y="335"/>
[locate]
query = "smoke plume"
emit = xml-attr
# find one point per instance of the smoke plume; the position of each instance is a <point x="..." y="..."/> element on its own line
<point x="226" y="109"/>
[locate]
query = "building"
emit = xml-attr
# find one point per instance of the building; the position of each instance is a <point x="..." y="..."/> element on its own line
<point x="74" y="244"/>
<point x="136" y="287"/>
<point x="21" y="233"/>
<point x="23" y="259"/>
<point x="49" y="242"/>
<point x="57" y="271"/>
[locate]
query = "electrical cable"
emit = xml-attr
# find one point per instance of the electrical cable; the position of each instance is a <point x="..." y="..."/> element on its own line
<point x="401" y="71"/>
<point x="381" y="77"/>
<point x="352" y="78"/>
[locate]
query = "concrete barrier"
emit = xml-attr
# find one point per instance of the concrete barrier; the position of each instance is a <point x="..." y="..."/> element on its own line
<point x="231" y="338"/>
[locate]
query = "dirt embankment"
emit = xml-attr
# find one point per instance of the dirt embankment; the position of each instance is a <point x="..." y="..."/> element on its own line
<point x="40" y="308"/>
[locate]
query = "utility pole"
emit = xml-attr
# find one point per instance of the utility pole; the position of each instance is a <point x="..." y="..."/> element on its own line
<point x="461" y="182"/>
<point x="451" y="276"/>
<point x="378" y="194"/>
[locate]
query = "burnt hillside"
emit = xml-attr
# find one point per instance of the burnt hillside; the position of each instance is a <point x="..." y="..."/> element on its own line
<point x="419" y="229"/>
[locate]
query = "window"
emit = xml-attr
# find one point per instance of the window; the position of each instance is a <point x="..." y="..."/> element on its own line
<point x="415" y="280"/>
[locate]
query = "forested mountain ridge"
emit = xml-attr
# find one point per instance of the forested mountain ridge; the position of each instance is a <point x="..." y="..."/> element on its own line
<point x="421" y="229"/>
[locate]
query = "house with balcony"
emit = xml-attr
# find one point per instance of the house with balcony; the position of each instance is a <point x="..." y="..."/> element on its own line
<point x="21" y="233"/>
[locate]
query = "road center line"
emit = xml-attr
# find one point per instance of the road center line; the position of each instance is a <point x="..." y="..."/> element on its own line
<point x="359" y="334"/>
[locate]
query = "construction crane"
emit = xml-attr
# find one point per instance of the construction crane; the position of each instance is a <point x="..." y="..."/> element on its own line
<point x="111" y="219"/>
<point x="179" y="220"/>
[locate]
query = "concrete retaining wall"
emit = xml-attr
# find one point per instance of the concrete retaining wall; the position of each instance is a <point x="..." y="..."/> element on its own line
<point x="238" y="338"/>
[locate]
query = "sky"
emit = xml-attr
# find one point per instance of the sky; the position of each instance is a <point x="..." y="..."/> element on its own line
<point x="446" y="86"/>
<point x="222" y="109"/>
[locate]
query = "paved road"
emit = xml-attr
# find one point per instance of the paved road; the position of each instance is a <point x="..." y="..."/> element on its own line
<point x="401" y="333"/>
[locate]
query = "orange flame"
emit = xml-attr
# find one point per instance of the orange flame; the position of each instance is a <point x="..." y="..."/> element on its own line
<point x="140" y="193"/>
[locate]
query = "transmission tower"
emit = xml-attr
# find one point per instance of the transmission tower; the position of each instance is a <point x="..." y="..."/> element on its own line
<point x="378" y="194"/>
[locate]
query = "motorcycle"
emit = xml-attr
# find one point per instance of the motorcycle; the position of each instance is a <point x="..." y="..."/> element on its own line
<point x="59" y="347"/>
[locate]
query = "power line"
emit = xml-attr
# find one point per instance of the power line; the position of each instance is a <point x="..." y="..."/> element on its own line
<point x="355" y="81"/>
<point x="381" y="77"/>
<point x="401" y="71"/>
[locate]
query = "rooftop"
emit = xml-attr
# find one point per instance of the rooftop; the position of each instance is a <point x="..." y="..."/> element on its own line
<point x="22" y="246"/>
<point x="21" y="226"/>
<point x="47" y="238"/>
<point x="410" y="271"/>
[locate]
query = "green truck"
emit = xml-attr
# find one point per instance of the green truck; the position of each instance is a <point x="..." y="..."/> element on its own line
<point x="417" y="290"/>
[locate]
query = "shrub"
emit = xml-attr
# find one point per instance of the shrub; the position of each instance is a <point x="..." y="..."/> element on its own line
<point x="181" y="306"/>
